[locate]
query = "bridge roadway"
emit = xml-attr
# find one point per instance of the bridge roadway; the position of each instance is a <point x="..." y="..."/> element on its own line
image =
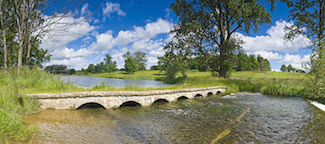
<point x="114" y="99"/>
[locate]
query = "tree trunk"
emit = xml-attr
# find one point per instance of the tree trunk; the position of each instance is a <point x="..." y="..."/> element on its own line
<point x="20" y="24"/>
<point x="31" y="28"/>
<point x="4" y="38"/>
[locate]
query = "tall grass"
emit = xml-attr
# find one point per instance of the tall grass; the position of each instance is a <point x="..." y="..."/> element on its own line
<point x="13" y="102"/>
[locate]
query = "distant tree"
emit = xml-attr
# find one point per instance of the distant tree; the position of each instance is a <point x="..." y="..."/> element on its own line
<point x="290" y="68"/>
<point x="140" y="59"/>
<point x="57" y="69"/>
<point x="112" y="66"/>
<point x="283" y="68"/>
<point x="91" y="68"/>
<point x="154" y="67"/>
<point x="72" y="71"/>
<point x="255" y="63"/>
<point x="127" y="55"/>
<point x="130" y="66"/>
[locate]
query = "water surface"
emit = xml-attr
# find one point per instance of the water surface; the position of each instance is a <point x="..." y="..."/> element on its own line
<point x="86" y="81"/>
<point x="240" y="118"/>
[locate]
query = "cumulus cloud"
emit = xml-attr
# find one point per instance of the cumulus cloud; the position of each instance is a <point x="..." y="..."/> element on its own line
<point x="59" y="54"/>
<point x="112" y="8"/>
<point x="58" y="36"/>
<point x="295" y="60"/>
<point x="76" y="63"/>
<point x="274" y="40"/>
<point x="267" y="55"/>
<point x="139" y="37"/>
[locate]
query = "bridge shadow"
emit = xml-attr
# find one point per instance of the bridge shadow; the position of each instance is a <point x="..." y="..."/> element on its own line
<point x="130" y="103"/>
<point x="91" y="106"/>
<point x="182" y="98"/>
<point x="198" y="96"/>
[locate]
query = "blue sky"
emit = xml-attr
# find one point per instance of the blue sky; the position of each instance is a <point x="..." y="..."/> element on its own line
<point x="121" y="26"/>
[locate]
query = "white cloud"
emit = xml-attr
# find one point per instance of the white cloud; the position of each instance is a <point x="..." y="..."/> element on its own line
<point x="267" y="55"/>
<point x="157" y="52"/>
<point x="60" y="54"/>
<point x="146" y="44"/>
<point x="84" y="10"/>
<point x="86" y="39"/>
<point x="139" y="37"/>
<point x="111" y="8"/>
<point x="152" y="61"/>
<point x="274" y="40"/>
<point x="57" y="39"/>
<point x="295" y="60"/>
<point x="75" y="63"/>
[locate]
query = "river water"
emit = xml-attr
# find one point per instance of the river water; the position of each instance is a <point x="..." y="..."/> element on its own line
<point x="86" y="81"/>
<point x="239" y="118"/>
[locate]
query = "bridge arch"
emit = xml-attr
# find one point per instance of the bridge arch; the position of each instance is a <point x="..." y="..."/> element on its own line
<point x="130" y="103"/>
<point x="198" y="96"/>
<point x="160" y="100"/>
<point x="91" y="105"/>
<point x="182" y="98"/>
<point x="218" y="92"/>
<point x="210" y="93"/>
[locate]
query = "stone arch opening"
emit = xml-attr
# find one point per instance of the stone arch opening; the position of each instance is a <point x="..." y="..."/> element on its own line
<point x="160" y="101"/>
<point x="91" y="105"/>
<point x="210" y="94"/>
<point x="130" y="103"/>
<point x="218" y="92"/>
<point x="182" y="98"/>
<point x="198" y="96"/>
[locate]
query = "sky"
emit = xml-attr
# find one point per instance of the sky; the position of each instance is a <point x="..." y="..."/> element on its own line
<point x="116" y="27"/>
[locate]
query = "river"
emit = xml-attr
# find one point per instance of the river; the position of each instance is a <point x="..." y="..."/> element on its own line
<point x="238" y="118"/>
<point x="87" y="81"/>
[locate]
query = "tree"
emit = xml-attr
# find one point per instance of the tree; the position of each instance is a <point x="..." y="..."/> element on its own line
<point x="308" y="17"/>
<point x="140" y="59"/>
<point x="112" y="66"/>
<point x="290" y="68"/>
<point x="214" y="23"/>
<point x="91" y="68"/>
<point x="316" y="73"/>
<point x="175" y="60"/>
<point x="154" y="67"/>
<point x="130" y="66"/>
<point x="57" y="69"/>
<point x="283" y="68"/>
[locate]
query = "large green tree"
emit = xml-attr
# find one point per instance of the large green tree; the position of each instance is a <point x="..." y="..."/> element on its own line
<point x="140" y="59"/>
<point x="130" y="66"/>
<point x="215" y="22"/>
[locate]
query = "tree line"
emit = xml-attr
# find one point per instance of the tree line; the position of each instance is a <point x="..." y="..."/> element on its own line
<point x="240" y="62"/>
<point x="133" y="62"/>
<point x="289" y="68"/>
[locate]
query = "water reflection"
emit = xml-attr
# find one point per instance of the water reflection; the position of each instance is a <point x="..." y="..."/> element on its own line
<point x="85" y="81"/>
<point x="242" y="118"/>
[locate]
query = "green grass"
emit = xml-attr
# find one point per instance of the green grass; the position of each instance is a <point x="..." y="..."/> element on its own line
<point x="13" y="103"/>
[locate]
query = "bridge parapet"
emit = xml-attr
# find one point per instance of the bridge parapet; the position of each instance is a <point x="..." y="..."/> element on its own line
<point x="109" y="99"/>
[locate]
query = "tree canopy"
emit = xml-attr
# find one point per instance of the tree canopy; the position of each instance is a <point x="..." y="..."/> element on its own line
<point x="213" y="24"/>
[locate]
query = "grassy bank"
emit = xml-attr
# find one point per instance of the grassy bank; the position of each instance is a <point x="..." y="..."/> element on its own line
<point x="13" y="103"/>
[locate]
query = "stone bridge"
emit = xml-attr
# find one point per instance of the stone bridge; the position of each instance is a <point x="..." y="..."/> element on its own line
<point x="111" y="99"/>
